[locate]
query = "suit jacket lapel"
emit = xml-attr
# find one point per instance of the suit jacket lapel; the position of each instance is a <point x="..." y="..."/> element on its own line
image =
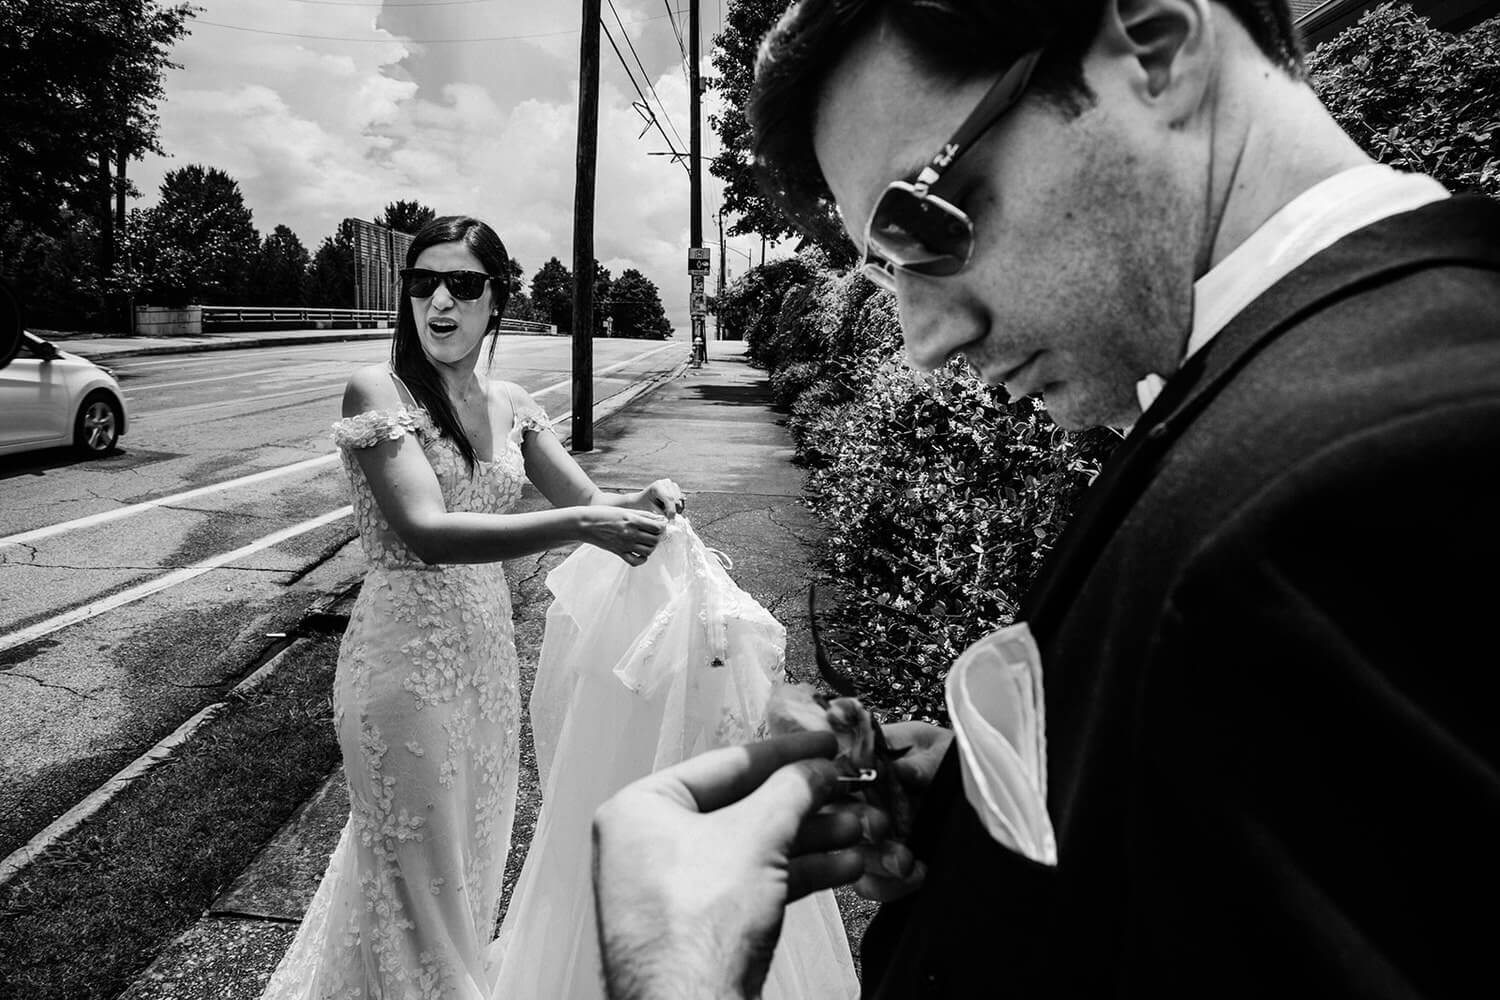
<point x="1456" y="230"/>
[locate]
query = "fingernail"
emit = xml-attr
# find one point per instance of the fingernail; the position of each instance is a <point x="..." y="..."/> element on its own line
<point x="893" y="861"/>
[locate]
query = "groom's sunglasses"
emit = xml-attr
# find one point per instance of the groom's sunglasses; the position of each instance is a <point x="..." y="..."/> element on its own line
<point x="910" y="228"/>
<point x="464" y="285"/>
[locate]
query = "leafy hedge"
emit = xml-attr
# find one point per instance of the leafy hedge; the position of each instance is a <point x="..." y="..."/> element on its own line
<point x="940" y="499"/>
<point x="1415" y="97"/>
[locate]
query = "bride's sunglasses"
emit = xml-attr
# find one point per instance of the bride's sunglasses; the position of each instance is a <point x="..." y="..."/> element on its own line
<point x="912" y="229"/>
<point x="464" y="285"/>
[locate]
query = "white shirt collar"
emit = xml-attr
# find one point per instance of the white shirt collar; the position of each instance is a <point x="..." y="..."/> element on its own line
<point x="1313" y="221"/>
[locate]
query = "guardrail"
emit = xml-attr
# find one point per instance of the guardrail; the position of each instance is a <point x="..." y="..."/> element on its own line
<point x="192" y="320"/>
<point x="241" y="315"/>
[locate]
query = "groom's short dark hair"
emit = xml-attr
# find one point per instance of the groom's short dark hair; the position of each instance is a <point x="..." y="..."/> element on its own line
<point x="956" y="40"/>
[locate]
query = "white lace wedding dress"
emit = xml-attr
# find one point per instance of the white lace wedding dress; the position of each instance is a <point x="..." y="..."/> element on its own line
<point x="427" y="709"/>
<point x="641" y="668"/>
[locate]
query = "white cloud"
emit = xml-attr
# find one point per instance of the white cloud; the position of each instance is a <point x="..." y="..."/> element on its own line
<point x="317" y="130"/>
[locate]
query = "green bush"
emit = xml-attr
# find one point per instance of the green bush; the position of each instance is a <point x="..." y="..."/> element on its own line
<point x="941" y="500"/>
<point x="939" y="497"/>
<point x="1415" y="97"/>
<point x="751" y="304"/>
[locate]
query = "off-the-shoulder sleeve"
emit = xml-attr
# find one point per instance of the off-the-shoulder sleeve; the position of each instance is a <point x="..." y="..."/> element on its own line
<point x="529" y="414"/>
<point x="365" y="430"/>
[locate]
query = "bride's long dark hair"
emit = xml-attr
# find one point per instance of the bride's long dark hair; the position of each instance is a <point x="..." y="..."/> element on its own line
<point x="408" y="360"/>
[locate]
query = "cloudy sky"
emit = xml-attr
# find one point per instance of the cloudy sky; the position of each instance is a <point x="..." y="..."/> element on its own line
<point x="326" y="109"/>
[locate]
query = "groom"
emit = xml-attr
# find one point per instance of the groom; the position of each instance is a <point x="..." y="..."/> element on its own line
<point x="1267" y="637"/>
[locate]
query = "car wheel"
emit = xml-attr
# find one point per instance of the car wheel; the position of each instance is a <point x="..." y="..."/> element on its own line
<point x="97" y="426"/>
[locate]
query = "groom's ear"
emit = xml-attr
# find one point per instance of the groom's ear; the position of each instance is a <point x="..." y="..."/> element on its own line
<point x="1165" y="48"/>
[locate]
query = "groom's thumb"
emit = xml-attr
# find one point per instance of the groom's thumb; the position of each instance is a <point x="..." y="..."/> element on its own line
<point x="792" y="793"/>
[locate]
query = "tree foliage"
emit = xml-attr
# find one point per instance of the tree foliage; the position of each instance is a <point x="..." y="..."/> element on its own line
<point x="746" y="22"/>
<point x="197" y="245"/>
<point x="406" y="216"/>
<point x="1415" y="97"/>
<point x="637" y="308"/>
<point x="330" y="279"/>
<point x="279" y="277"/>
<point x="552" y="294"/>
<point x="80" y="81"/>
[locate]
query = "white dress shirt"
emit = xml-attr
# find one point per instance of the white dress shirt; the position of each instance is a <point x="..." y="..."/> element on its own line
<point x="1313" y="221"/>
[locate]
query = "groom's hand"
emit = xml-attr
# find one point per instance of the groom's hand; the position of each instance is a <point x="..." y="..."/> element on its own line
<point x="891" y="870"/>
<point x="693" y="865"/>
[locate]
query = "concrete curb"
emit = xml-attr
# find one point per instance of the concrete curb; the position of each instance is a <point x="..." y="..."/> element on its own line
<point x="162" y="752"/>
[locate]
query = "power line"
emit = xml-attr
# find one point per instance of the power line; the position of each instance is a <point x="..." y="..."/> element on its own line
<point x="644" y="103"/>
<point x="397" y="39"/>
<point x="644" y="74"/>
<point x="677" y="30"/>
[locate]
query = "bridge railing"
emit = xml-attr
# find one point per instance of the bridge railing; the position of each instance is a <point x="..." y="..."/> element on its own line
<point x="152" y="320"/>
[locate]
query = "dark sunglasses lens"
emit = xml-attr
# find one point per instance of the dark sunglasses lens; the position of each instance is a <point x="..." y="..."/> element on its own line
<point x="421" y="284"/>
<point x="466" y="285"/>
<point x="920" y="234"/>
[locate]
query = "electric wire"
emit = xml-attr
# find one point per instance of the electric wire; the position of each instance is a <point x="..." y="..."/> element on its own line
<point x="677" y="156"/>
<point x="397" y="39"/>
<point x="645" y="75"/>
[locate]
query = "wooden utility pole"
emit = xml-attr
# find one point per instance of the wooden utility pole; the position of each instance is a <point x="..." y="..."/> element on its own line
<point x="583" y="231"/>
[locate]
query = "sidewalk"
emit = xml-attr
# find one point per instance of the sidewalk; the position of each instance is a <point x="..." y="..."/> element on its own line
<point x="712" y="431"/>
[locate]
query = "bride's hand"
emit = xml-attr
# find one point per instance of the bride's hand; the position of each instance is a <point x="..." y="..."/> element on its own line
<point x="663" y="496"/>
<point x="630" y="534"/>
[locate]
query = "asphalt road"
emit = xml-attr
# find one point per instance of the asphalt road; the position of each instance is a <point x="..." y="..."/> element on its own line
<point x="137" y="589"/>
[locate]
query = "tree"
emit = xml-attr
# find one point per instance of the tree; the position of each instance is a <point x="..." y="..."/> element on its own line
<point x="516" y="276"/>
<point x="637" y="307"/>
<point x="330" y="279"/>
<point x="279" y="276"/>
<point x="603" y="297"/>
<point x="199" y="242"/>
<point x="406" y="216"/>
<point x="746" y="22"/>
<point x="552" y="294"/>
<point x="1415" y="97"/>
<point x="80" y="81"/>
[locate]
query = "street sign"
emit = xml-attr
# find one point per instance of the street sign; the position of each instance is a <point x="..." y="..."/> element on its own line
<point x="698" y="260"/>
<point x="697" y="280"/>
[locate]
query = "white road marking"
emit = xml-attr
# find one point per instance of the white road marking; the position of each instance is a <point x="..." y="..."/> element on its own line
<point x="95" y="608"/>
<point x="327" y="388"/>
<point x="606" y="371"/>
<point x="215" y="378"/>
<point x="104" y="517"/>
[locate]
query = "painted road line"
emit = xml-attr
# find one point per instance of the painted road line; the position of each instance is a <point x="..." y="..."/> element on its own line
<point x="104" y="517"/>
<point x="606" y="371"/>
<point x="214" y="378"/>
<point x="95" y="608"/>
<point x="328" y="388"/>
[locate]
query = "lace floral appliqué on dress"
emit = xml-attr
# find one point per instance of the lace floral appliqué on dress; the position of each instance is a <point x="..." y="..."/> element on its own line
<point x="427" y="710"/>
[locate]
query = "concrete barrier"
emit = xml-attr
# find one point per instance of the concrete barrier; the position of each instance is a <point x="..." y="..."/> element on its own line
<point x="160" y="321"/>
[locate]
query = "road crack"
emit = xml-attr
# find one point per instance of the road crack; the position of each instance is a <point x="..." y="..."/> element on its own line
<point x="47" y="684"/>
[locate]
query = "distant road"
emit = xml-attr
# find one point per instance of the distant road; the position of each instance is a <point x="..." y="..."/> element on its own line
<point x="134" y="590"/>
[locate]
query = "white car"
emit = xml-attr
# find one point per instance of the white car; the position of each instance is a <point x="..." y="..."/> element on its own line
<point x="49" y="397"/>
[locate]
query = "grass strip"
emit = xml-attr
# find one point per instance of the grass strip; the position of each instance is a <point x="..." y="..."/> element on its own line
<point x="82" y="922"/>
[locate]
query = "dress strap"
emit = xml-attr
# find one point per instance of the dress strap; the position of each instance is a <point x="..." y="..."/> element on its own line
<point x="401" y="390"/>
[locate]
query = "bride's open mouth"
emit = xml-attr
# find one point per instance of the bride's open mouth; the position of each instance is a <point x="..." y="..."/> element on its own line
<point x="442" y="327"/>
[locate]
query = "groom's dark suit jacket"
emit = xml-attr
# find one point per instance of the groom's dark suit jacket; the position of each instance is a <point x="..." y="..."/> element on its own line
<point x="1271" y="647"/>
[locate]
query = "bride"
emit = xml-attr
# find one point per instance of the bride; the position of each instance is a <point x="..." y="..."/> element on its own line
<point x="426" y="702"/>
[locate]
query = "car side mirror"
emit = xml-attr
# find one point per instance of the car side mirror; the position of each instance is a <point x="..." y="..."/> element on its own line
<point x="10" y="326"/>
